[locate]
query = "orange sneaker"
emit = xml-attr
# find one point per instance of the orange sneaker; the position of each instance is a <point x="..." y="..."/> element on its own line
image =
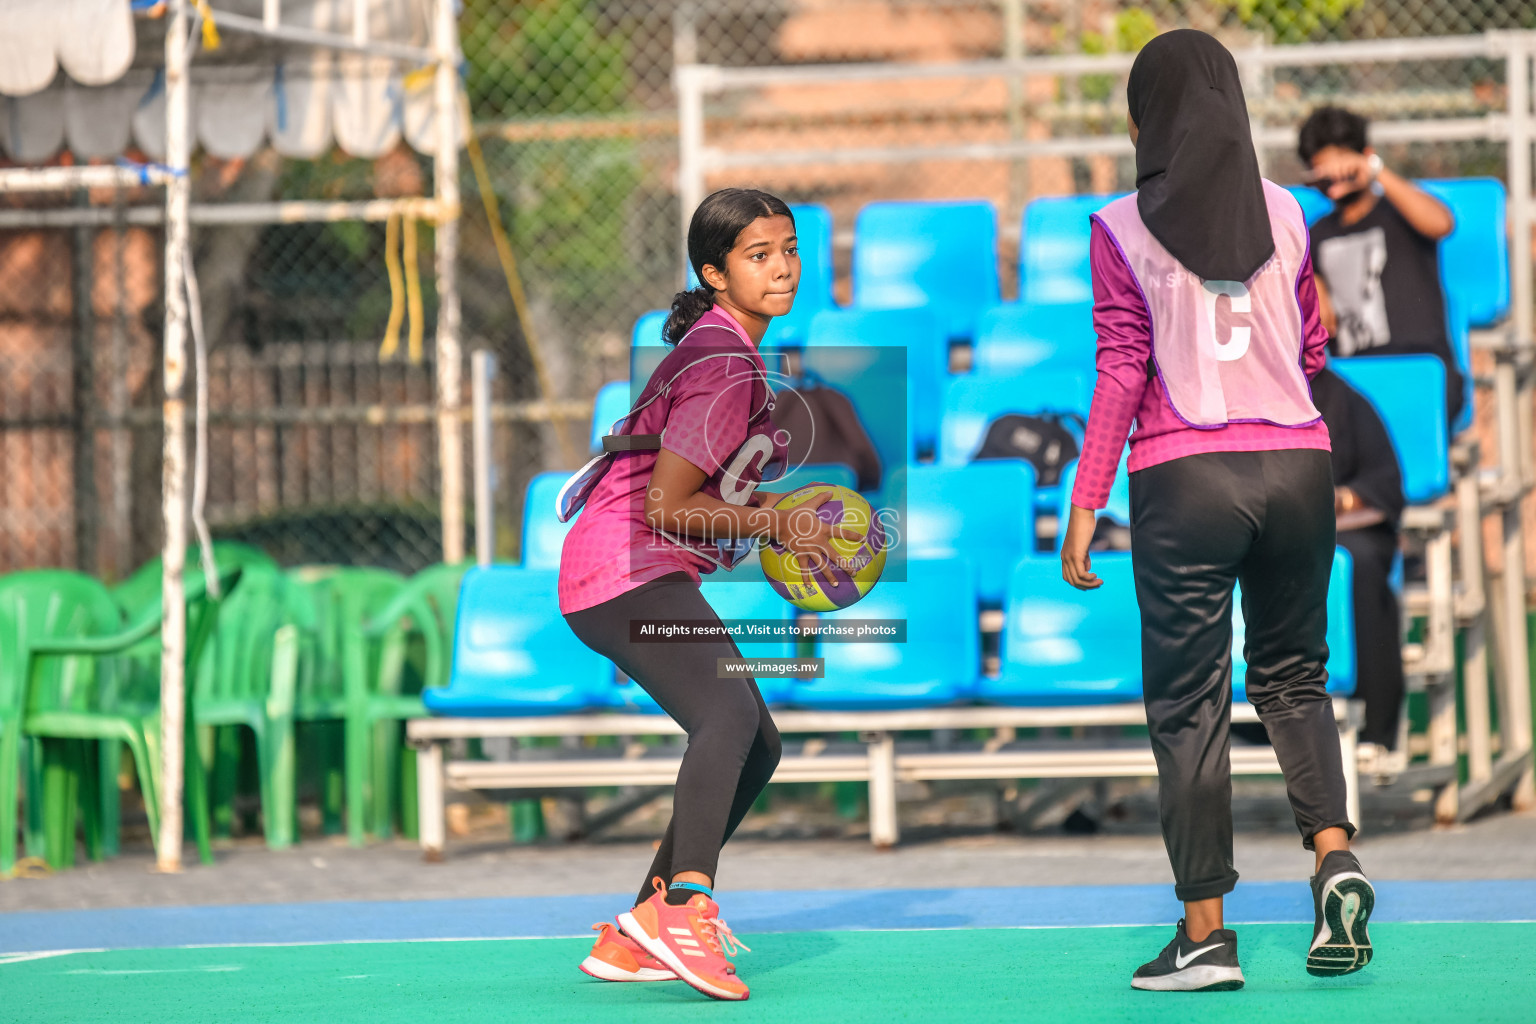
<point x="690" y="939"/>
<point x="617" y="957"/>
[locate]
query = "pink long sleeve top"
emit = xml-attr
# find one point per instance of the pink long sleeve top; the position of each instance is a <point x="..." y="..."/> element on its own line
<point x="1123" y="393"/>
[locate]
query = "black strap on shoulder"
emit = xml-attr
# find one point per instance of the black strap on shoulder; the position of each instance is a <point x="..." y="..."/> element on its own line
<point x="631" y="442"/>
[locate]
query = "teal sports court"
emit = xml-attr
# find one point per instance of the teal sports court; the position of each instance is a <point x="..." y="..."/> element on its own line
<point x="1462" y="950"/>
<point x="329" y="301"/>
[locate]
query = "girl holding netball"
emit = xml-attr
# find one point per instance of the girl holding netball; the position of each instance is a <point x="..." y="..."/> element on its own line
<point x="1208" y="329"/>
<point x="678" y="497"/>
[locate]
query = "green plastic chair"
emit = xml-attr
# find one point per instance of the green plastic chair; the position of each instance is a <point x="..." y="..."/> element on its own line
<point x="62" y="678"/>
<point x="79" y="611"/>
<point x="249" y="678"/>
<point x="144" y="584"/>
<point x="420" y="615"/>
<point x="338" y="663"/>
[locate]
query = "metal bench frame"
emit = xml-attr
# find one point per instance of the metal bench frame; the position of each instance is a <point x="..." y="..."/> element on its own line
<point x="882" y="766"/>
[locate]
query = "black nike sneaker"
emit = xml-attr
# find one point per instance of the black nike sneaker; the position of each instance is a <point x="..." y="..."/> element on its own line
<point x="1183" y="966"/>
<point x="1344" y="900"/>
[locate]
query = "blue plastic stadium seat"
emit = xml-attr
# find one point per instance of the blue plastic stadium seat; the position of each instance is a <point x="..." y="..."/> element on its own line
<point x="646" y="349"/>
<point x="813" y="473"/>
<point x="1408" y="393"/>
<point x="1061" y="646"/>
<point x="1341" y="631"/>
<point x="1474" y="258"/>
<point x="813" y="226"/>
<point x="874" y="379"/>
<point x="740" y="594"/>
<point x="1053" y="249"/>
<point x="1314" y="205"/>
<point x="543" y="532"/>
<point x="512" y="652"/>
<point x="1119" y="507"/>
<point x="972" y="402"/>
<point x="1015" y="337"/>
<point x="939" y="662"/>
<point x="610" y="405"/>
<point x="982" y="512"/>
<point x="942" y="255"/>
<point x="927" y="367"/>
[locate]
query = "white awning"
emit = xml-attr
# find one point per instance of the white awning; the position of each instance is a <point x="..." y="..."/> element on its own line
<point x="85" y="75"/>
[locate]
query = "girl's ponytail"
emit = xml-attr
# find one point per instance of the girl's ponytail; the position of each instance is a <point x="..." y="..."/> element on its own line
<point x="712" y="234"/>
<point x="687" y="307"/>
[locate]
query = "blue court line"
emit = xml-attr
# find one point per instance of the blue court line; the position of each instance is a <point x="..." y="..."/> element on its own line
<point x="748" y="912"/>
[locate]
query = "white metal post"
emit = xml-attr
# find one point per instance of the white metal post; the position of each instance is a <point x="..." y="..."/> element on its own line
<point x="884" y="830"/>
<point x="1474" y="588"/>
<point x="690" y="151"/>
<point x="173" y="629"/>
<point x="481" y="368"/>
<point x="1512" y="447"/>
<point x="430" y="808"/>
<point x="1518" y="97"/>
<point x="450" y="443"/>
<point x="1013" y="50"/>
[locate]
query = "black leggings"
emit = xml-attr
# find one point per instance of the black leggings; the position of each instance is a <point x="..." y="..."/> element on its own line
<point x="733" y="746"/>
<point x="1198" y="524"/>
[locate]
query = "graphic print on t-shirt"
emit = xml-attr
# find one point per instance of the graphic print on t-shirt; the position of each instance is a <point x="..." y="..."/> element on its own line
<point x="1352" y="265"/>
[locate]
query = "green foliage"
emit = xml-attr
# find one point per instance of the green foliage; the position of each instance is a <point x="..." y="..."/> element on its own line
<point x="567" y="200"/>
<point x="546" y="57"/>
<point x="1134" y="28"/>
<point x="1292" y="21"/>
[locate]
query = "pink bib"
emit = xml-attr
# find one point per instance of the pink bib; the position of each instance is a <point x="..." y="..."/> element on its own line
<point x="1225" y="351"/>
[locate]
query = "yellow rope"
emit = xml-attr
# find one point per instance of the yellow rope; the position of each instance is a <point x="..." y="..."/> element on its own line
<point x="28" y="867"/>
<point x="508" y="264"/>
<point x="210" y="30"/>
<point x="391" y="343"/>
<point x="412" y="292"/>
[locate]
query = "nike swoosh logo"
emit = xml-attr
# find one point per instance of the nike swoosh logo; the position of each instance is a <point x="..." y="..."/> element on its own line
<point x="1181" y="960"/>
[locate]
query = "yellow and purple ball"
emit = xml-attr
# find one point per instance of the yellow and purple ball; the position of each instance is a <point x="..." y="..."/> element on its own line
<point x="864" y="558"/>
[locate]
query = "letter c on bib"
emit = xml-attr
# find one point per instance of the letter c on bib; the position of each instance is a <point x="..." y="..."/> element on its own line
<point x="733" y="489"/>
<point x="1236" y="346"/>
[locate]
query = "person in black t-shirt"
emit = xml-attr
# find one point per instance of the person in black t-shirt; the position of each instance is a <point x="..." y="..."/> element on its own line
<point x="1376" y="255"/>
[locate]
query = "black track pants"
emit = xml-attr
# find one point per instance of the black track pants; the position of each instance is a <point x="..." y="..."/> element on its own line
<point x="733" y="746"/>
<point x="1199" y="524"/>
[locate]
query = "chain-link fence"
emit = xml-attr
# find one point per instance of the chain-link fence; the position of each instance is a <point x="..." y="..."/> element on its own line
<point x="321" y="451"/>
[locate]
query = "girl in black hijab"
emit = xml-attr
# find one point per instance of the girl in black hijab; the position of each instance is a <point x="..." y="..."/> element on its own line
<point x="1207" y="318"/>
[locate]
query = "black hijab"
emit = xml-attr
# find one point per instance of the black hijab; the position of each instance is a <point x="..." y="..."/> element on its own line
<point x="1197" y="178"/>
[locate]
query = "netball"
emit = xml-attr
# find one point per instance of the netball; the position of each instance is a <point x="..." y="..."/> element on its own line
<point x="828" y="588"/>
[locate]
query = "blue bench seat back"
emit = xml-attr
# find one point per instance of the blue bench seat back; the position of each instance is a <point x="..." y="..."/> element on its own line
<point x="1341" y="631"/>
<point x="1053" y="249"/>
<point x="939" y="662"/>
<point x="834" y="332"/>
<point x="543" y="532"/>
<point x="982" y="512"/>
<point x="646" y="349"/>
<point x="940" y="255"/>
<point x="1314" y="205"/>
<point x="513" y="654"/>
<point x="1408" y="393"/>
<point x="611" y="404"/>
<point x="1016" y="337"/>
<point x="972" y="402"/>
<point x="813" y="226"/>
<point x="1062" y="646"/>
<point x="1474" y="257"/>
